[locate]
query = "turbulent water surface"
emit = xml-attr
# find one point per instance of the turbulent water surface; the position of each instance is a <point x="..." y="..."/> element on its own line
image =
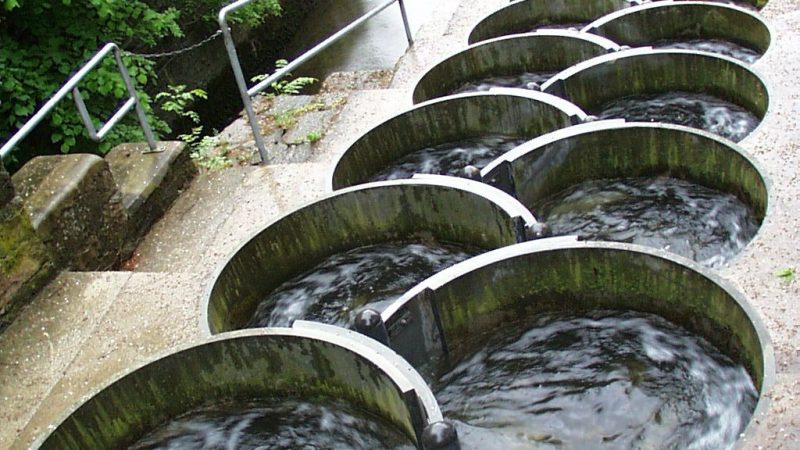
<point x="273" y="425"/>
<point x="720" y="47"/>
<point x="450" y="158"/>
<point x="525" y="80"/>
<point x="603" y="380"/>
<point x="685" y="218"/>
<point x="338" y="287"/>
<point x="684" y="108"/>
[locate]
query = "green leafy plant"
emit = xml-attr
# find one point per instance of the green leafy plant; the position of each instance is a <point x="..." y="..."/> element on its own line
<point x="787" y="275"/>
<point x="313" y="136"/>
<point x="45" y="41"/>
<point x="177" y="99"/>
<point x="286" y="86"/>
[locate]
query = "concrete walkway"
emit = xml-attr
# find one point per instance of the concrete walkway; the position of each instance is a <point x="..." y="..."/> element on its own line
<point x="86" y="329"/>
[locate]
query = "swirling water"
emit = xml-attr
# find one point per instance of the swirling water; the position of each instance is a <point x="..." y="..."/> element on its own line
<point x="525" y="80"/>
<point x="450" y="158"/>
<point x="684" y="108"/>
<point x="337" y="288"/>
<point x="274" y="425"/>
<point x="602" y="380"/>
<point x="703" y="224"/>
<point x="717" y="46"/>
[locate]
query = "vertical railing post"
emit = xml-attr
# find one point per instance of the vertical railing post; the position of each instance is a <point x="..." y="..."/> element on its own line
<point x="230" y="46"/>
<point x="405" y="22"/>
<point x="140" y="114"/>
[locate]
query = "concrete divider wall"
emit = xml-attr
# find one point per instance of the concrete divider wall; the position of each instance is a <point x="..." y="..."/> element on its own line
<point x="590" y="276"/>
<point x="256" y="365"/>
<point x="444" y="120"/>
<point x="524" y="16"/>
<point x="604" y="151"/>
<point x="652" y="22"/>
<point x="597" y="81"/>
<point x="538" y="52"/>
<point x="379" y="212"/>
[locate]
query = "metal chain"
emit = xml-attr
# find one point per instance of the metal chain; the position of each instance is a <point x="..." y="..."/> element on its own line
<point x="180" y="51"/>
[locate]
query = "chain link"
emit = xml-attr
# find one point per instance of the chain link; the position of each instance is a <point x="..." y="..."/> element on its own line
<point x="177" y="52"/>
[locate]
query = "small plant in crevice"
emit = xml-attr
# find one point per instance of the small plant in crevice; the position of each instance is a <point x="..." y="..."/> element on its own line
<point x="787" y="275"/>
<point x="313" y="136"/>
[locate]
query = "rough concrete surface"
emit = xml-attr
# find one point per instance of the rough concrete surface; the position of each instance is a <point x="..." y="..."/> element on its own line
<point x="86" y="329"/>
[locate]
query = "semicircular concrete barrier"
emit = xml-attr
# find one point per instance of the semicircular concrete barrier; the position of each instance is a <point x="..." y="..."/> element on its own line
<point x="513" y="113"/>
<point x="671" y="22"/>
<point x="545" y="51"/>
<point x="308" y="362"/>
<point x="527" y="15"/>
<point x="644" y="71"/>
<point x="478" y="297"/>
<point x="432" y="208"/>
<point x="612" y="149"/>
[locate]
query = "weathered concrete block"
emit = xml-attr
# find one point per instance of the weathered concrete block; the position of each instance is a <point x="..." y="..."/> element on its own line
<point x="149" y="182"/>
<point x="75" y="209"/>
<point x="6" y="187"/>
<point x="26" y="265"/>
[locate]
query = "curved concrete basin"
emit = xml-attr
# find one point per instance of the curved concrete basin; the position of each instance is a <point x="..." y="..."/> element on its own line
<point x="508" y="112"/>
<point x="612" y="149"/>
<point x="527" y="15"/>
<point x="660" y="22"/>
<point x="545" y="51"/>
<point x="645" y="71"/>
<point x="442" y="209"/>
<point x="308" y="362"/>
<point x="478" y="297"/>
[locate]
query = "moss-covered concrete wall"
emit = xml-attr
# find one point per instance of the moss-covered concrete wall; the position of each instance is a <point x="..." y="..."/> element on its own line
<point x="644" y="72"/>
<point x="445" y="120"/>
<point x="682" y="21"/>
<point x="521" y="17"/>
<point x="75" y="208"/>
<point x="26" y="265"/>
<point x="586" y="277"/>
<point x="242" y="368"/>
<point x="394" y="212"/>
<point x="507" y="57"/>
<point x="637" y="150"/>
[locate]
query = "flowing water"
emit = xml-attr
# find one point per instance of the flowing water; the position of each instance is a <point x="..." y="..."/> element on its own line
<point x="572" y="26"/>
<point x="526" y="80"/>
<point x="720" y="47"/>
<point x="336" y="289"/>
<point x="450" y="158"/>
<point x="684" y="218"/>
<point x="604" y="380"/>
<point x="684" y="108"/>
<point x="276" y="424"/>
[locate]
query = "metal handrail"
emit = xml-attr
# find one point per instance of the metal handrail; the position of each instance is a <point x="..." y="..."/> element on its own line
<point x="247" y="93"/>
<point x="72" y="86"/>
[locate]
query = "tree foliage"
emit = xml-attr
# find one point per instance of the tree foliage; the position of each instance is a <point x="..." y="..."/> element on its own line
<point x="45" y="41"/>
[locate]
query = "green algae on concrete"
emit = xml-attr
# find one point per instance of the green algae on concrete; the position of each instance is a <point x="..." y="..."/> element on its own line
<point x="524" y="16"/>
<point x="507" y="284"/>
<point x="616" y="149"/>
<point x="406" y="210"/>
<point x="75" y="208"/>
<point x="666" y="21"/>
<point x="546" y="51"/>
<point x="505" y="112"/>
<point x="26" y="265"/>
<point x="593" y="83"/>
<point x="246" y="366"/>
